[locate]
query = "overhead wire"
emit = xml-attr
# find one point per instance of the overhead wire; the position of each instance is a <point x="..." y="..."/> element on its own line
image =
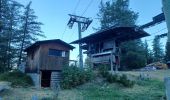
<point x="74" y="11"/>
<point x="85" y="10"/>
<point x="65" y="29"/>
<point x="159" y="31"/>
<point x="156" y="33"/>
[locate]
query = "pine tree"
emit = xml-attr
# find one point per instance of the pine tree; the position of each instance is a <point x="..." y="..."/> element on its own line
<point x="114" y="14"/>
<point x="12" y="30"/>
<point x="30" y="29"/>
<point x="148" y="53"/>
<point x="157" y="49"/>
<point x="4" y="13"/>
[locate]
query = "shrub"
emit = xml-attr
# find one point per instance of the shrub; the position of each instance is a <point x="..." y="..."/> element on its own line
<point x="112" y="78"/>
<point x="74" y="76"/>
<point x="120" y="79"/>
<point x="17" y="78"/>
<point x="103" y="70"/>
<point x="125" y="81"/>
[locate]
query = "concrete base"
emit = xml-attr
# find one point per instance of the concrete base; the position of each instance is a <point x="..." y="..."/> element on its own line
<point x="36" y="79"/>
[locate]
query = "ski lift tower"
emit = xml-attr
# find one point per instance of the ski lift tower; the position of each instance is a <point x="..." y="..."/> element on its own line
<point x="83" y="24"/>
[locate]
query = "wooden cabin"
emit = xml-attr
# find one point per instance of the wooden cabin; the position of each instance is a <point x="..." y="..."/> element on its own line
<point x="45" y="60"/>
<point x="102" y="47"/>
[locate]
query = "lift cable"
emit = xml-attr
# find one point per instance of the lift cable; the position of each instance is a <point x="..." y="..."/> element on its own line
<point x="85" y="10"/>
<point x="74" y="11"/>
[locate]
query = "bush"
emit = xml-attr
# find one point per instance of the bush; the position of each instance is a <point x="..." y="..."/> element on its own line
<point x="103" y="70"/>
<point x="17" y="78"/>
<point x="112" y="78"/>
<point x="125" y="81"/>
<point x="74" y="76"/>
<point x="120" y="79"/>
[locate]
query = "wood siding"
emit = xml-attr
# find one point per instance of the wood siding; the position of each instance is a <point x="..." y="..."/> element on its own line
<point x="38" y="59"/>
<point x="48" y="62"/>
<point x="33" y="58"/>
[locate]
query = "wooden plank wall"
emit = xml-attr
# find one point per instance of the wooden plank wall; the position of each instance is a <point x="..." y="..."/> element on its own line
<point x="48" y="62"/>
<point x="33" y="64"/>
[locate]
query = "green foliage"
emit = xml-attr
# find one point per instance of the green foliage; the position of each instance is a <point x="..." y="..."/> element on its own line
<point x="17" y="78"/>
<point x="157" y="50"/>
<point x="134" y="60"/>
<point x="112" y="78"/>
<point x="133" y="54"/>
<point x="103" y="70"/>
<point x="148" y="53"/>
<point x="125" y="81"/>
<point x="13" y="26"/>
<point x="116" y="13"/>
<point x="30" y="29"/>
<point x="122" y="79"/>
<point x="74" y="76"/>
<point x="115" y="78"/>
<point x="151" y="90"/>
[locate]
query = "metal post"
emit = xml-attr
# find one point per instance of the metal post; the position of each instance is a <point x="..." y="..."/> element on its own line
<point x="167" y="86"/>
<point x="80" y="50"/>
<point x="166" y="10"/>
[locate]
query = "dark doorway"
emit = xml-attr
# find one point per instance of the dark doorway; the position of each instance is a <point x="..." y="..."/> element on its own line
<point x="45" y="78"/>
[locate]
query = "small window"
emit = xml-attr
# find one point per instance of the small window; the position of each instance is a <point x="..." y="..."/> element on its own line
<point x="57" y="53"/>
<point x="63" y="54"/>
<point x="53" y="52"/>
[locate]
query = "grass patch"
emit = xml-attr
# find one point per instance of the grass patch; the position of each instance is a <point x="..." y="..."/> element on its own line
<point x="17" y="78"/>
<point x="149" y="90"/>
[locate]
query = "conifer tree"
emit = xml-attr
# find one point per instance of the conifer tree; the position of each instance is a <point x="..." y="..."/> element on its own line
<point x="157" y="49"/>
<point x="30" y="29"/>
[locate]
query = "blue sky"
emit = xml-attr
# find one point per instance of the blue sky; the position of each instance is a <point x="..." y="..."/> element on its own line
<point x="54" y="15"/>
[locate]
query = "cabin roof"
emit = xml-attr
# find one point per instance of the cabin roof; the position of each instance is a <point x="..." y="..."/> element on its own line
<point x="121" y="34"/>
<point x="38" y="43"/>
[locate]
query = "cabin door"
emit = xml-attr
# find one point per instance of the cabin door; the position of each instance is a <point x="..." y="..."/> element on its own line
<point x="45" y="78"/>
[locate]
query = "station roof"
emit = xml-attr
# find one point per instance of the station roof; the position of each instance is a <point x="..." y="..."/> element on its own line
<point x="120" y="34"/>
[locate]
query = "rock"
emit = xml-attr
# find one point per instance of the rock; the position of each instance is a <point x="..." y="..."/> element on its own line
<point x="4" y="86"/>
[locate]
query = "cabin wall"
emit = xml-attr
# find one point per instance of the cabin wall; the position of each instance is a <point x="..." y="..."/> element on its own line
<point x="49" y="62"/>
<point x="32" y="63"/>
